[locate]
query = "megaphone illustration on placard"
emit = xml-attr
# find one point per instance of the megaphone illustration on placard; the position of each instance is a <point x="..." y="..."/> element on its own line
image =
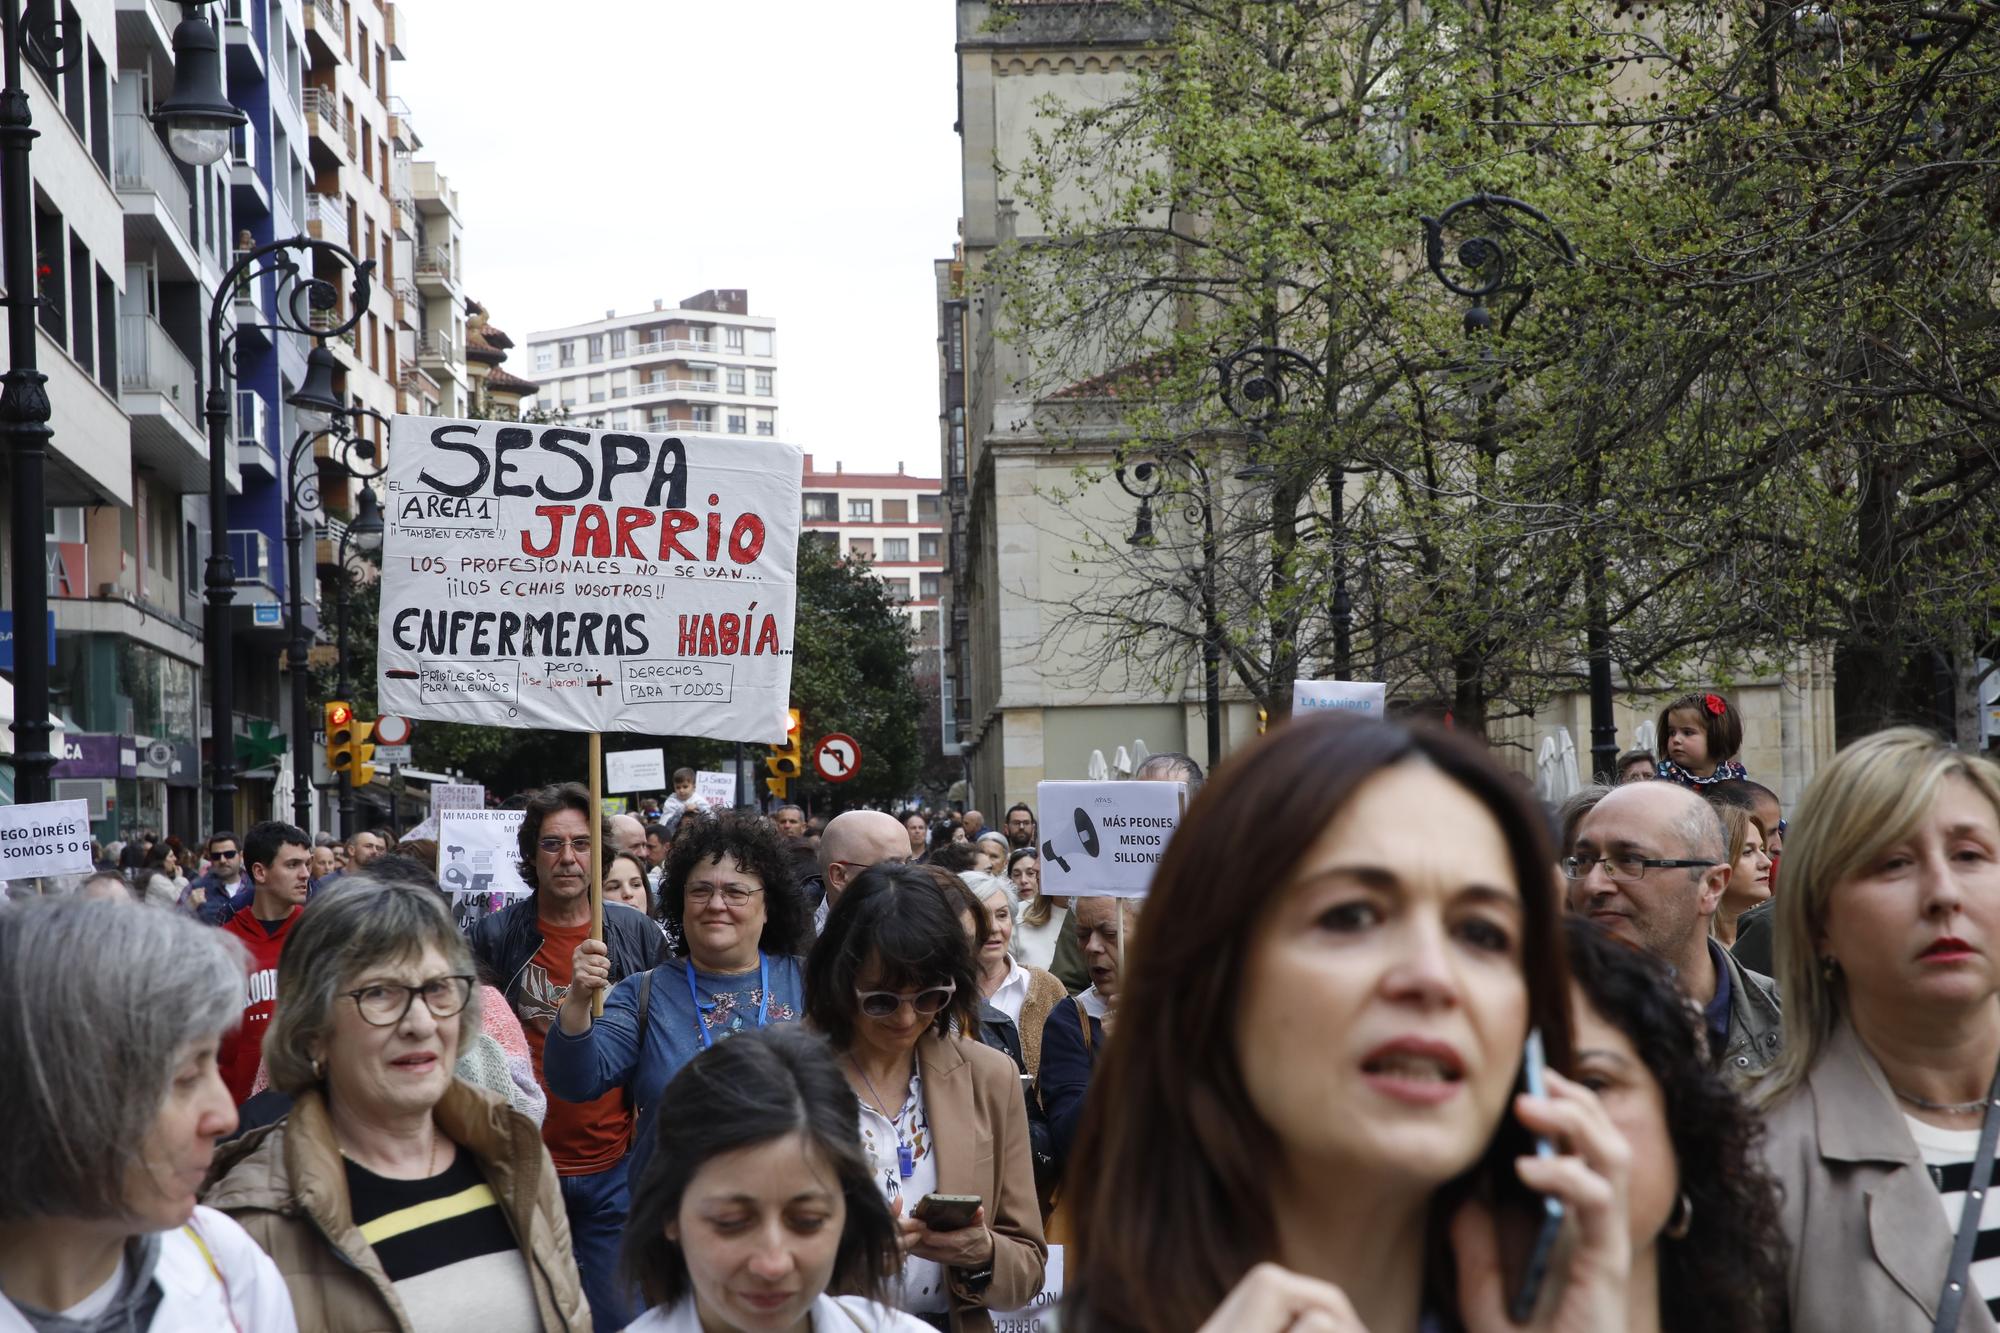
<point x="1086" y="839"/>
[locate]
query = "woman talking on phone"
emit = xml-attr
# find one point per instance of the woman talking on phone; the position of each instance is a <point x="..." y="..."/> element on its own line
<point x="892" y="985"/>
<point x="1310" y="1116"/>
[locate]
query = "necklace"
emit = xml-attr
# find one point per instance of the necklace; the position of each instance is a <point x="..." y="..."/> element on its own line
<point x="906" y="1157"/>
<point x="1941" y="1108"/>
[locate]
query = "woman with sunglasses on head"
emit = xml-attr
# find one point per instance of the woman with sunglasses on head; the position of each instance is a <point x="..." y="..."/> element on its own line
<point x="893" y="986"/>
<point x="1310" y="1116"/>
<point x="395" y="1196"/>
<point x="728" y="893"/>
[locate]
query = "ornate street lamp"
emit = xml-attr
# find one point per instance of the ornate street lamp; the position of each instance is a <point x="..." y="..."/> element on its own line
<point x="1143" y="474"/>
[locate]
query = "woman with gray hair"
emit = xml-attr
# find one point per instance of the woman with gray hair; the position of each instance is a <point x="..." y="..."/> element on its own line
<point x="112" y="1104"/>
<point x="395" y="1196"/>
<point x="1025" y="994"/>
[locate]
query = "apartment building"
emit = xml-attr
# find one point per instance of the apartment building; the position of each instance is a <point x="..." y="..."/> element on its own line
<point x="706" y="365"/>
<point x="893" y="521"/>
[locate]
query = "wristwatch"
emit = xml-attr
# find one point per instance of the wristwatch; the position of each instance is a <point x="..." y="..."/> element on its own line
<point x="975" y="1280"/>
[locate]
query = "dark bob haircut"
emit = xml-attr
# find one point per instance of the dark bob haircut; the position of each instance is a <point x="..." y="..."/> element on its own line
<point x="747" y="1091"/>
<point x="1724" y="729"/>
<point x="1177" y="1202"/>
<point x="899" y="917"/>
<point x="753" y="844"/>
<point x="1726" y="1274"/>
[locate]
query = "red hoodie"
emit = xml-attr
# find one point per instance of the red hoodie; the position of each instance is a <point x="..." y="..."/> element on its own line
<point x="243" y="1049"/>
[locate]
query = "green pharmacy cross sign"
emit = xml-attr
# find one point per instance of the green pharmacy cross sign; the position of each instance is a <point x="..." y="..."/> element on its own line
<point x="262" y="748"/>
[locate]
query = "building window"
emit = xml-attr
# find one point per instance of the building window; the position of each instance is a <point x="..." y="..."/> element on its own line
<point x="826" y="541"/>
<point x="861" y="546"/>
<point x="766" y="426"/>
<point x="760" y="342"/>
<point x="618" y="342"/>
<point x="735" y="381"/>
<point x="738" y="424"/>
<point x="764" y="389"/>
<point x="618" y="420"/>
<point x="860" y="511"/>
<point x="822" y="507"/>
<point x="544" y="359"/>
<point x="927" y="585"/>
<point x="732" y="338"/>
<point x="896" y="550"/>
<point x="596" y="347"/>
<point x="895" y="511"/>
<point x="569" y="353"/>
<point x="927" y="507"/>
<point x="704" y="416"/>
<point x="898" y="589"/>
<point x="927" y="546"/>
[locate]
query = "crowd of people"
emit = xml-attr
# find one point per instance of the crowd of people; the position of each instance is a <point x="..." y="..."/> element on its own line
<point x="1382" y="1028"/>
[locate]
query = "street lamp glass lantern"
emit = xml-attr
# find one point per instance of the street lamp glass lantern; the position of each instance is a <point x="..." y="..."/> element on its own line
<point x="365" y="532"/>
<point x="197" y="116"/>
<point x="315" y="399"/>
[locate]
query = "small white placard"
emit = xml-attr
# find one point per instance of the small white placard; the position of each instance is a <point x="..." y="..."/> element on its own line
<point x="1104" y="839"/>
<point x="1369" y="698"/>
<point x="385" y="755"/>
<point x="1038" y="1315"/>
<point x="457" y="796"/>
<point x="479" y="861"/>
<point x="49" y="838"/>
<point x="718" y="789"/>
<point x="635" y="770"/>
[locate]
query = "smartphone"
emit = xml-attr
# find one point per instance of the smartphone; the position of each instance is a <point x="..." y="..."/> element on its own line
<point x="946" y="1212"/>
<point x="1527" y="1245"/>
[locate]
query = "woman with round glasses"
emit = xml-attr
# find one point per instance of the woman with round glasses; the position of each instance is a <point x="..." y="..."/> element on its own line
<point x="728" y="894"/>
<point x="395" y="1196"/>
<point x="892" y="985"/>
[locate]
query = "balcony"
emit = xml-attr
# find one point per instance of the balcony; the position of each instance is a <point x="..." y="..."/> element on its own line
<point x="434" y="269"/>
<point x="671" y="345"/>
<point x="151" y="187"/>
<point x="673" y="426"/>
<point x="160" y="391"/>
<point x="408" y="303"/>
<point x="254" y="450"/>
<point x="326" y="220"/>
<point x="402" y="134"/>
<point x="246" y="53"/>
<point x="677" y="386"/>
<point x="329" y="135"/>
<point x="255" y="557"/>
<point x="325" y="30"/>
<point x="440" y="356"/>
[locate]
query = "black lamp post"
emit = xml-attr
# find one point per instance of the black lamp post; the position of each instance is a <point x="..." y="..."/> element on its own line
<point x="301" y="498"/>
<point x="1143" y="474"/>
<point x="1488" y="267"/>
<point x="364" y="536"/>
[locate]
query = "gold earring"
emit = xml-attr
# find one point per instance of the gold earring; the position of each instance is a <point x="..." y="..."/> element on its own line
<point x="317" y="1073"/>
<point x="1682" y="1220"/>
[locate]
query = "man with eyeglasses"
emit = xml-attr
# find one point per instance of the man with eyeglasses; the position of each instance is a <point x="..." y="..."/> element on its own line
<point x="1650" y="863"/>
<point x="279" y="857"/>
<point x="853" y="841"/>
<point x="529" y="947"/>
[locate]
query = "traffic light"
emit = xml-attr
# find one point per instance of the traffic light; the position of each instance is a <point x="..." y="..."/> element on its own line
<point x="363" y="751"/>
<point x="775" y="786"/>
<point x="785" y="762"/>
<point x="339" y="731"/>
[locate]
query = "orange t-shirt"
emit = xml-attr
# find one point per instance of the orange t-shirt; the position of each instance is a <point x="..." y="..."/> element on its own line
<point x="583" y="1137"/>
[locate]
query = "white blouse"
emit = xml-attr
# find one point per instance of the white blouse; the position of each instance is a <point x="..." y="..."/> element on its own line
<point x="923" y="1288"/>
<point x="1036" y="945"/>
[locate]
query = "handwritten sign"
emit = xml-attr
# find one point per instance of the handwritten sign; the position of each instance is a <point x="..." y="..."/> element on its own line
<point x="1105" y="839"/>
<point x="1038" y="1315"/>
<point x="49" y="838"/>
<point x="581" y="580"/>
<point x="717" y="789"/>
<point x="479" y="861"/>
<point x="635" y="770"/>
<point x="1365" y="698"/>
<point x="457" y="796"/>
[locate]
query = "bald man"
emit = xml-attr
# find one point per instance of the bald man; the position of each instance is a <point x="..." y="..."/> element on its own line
<point x="854" y="841"/>
<point x="628" y="835"/>
<point x="1650" y="864"/>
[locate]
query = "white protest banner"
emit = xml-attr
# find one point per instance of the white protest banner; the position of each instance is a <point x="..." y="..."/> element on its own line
<point x="1369" y="698"/>
<point x="479" y="861"/>
<point x="717" y="789"/>
<point x="583" y="580"/>
<point x="49" y="838"/>
<point x="457" y="796"/>
<point x="1104" y="839"/>
<point x="1038" y="1315"/>
<point x="635" y="770"/>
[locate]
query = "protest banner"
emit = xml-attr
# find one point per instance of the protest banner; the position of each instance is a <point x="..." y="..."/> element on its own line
<point x="635" y="770"/>
<point x="47" y="838"/>
<point x="479" y="861"/>
<point x="1368" y="698"/>
<point x="717" y="789"/>
<point x="457" y="796"/>
<point x="1038" y="1315"/>
<point x="1104" y="839"/>
<point x="581" y="580"/>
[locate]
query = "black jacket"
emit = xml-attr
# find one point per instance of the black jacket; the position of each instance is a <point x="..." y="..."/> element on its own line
<point x="506" y="942"/>
<point x="1004" y="1035"/>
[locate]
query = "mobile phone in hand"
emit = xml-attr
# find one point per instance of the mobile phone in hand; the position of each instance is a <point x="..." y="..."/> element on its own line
<point x="1527" y="1244"/>
<point x="946" y="1212"/>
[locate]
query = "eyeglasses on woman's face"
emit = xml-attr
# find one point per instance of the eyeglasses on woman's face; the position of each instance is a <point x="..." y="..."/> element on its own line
<point x="383" y="1004"/>
<point x="926" y="1003"/>
<point x="735" y="895"/>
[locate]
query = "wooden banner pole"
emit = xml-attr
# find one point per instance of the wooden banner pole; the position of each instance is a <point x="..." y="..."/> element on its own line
<point x="597" y="852"/>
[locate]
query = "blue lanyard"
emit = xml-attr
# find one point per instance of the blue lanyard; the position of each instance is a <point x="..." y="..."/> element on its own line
<point x="763" y="997"/>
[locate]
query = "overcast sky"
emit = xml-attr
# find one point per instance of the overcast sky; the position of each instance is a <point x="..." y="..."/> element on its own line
<point x="607" y="152"/>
